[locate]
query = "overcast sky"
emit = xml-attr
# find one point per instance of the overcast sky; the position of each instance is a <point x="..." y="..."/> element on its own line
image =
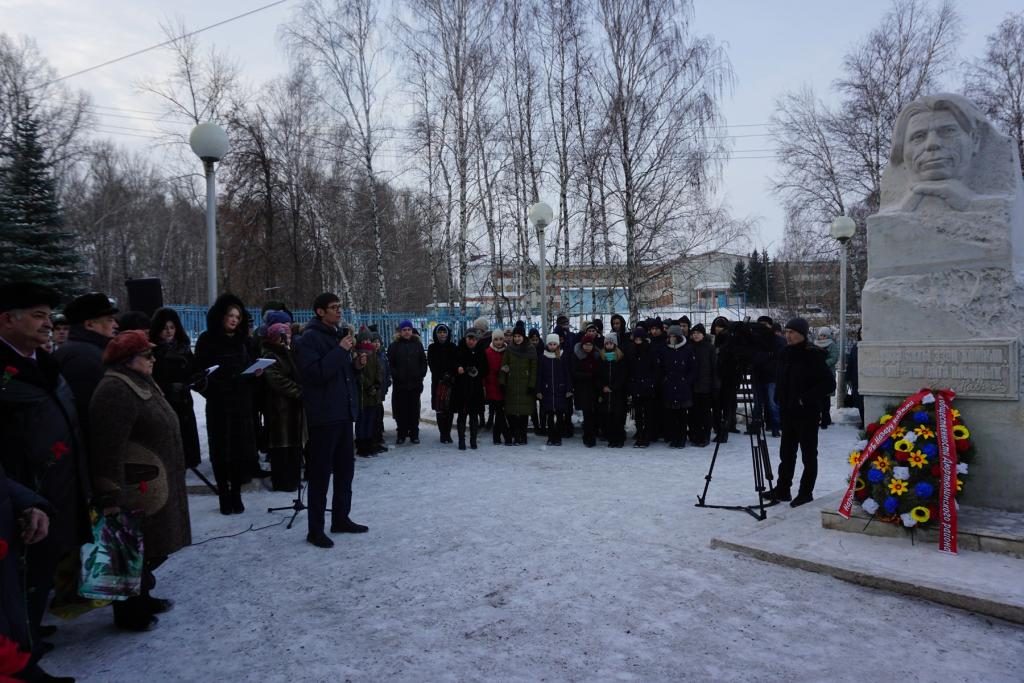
<point x="774" y="47"/>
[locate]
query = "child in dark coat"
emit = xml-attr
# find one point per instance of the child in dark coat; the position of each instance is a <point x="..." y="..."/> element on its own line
<point x="585" y="366"/>
<point x="554" y="387"/>
<point x="677" y="367"/>
<point x="642" y="363"/>
<point x="612" y="397"/>
<point x="369" y="396"/>
<point x="442" y="361"/>
<point x="705" y="383"/>
<point x="468" y="396"/>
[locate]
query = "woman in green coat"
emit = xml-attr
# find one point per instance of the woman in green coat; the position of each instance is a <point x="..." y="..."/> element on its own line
<point x="519" y="377"/>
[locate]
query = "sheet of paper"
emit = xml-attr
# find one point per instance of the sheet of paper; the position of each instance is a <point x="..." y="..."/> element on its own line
<point x="210" y="370"/>
<point x="259" y="365"/>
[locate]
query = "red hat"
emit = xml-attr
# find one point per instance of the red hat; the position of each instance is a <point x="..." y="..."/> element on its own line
<point x="125" y="345"/>
<point x="589" y="338"/>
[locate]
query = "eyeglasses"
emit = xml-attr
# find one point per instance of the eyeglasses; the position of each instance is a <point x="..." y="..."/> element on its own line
<point x="334" y="307"/>
<point x="148" y="355"/>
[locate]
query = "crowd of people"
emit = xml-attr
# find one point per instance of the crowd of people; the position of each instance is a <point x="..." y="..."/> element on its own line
<point x="98" y="417"/>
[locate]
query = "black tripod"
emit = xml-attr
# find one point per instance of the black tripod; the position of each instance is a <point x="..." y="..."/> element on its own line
<point x="297" y="505"/>
<point x="759" y="456"/>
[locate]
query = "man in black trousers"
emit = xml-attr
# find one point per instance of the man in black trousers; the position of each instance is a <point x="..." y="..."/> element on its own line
<point x="803" y="379"/>
<point x="408" y="361"/>
<point x="330" y="398"/>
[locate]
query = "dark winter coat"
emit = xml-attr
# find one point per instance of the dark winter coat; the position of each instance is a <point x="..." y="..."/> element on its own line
<point x="442" y="358"/>
<point x="284" y="420"/>
<point x="137" y="461"/>
<point x="385" y="372"/>
<point x="554" y="381"/>
<point x="468" y="393"/>
<point x="520" y="381"/>
<point x="408" y="363"/>
<point x="614" y="375"/>
<point x="14" y="500"/>
<point x="175" y="369"/>
<point x="585" y="371"/>
<point x="642" y="362"/>
<point x="677" y="367"/>
<point x="622" y="331"/>
<point x="803" y="382"/>
<point x="80" y="360"/>
<point x="369" y="383"/>
<point x="705" y="380"/>
<point x="569" y="339"/>
<point x="727" y="370"/>
<point x="329" y="386"/>
<point x="227" y="390"/>
<point x="41" y="444"/>
<point x="493" y="389"/>
<point x="765" y="364"/>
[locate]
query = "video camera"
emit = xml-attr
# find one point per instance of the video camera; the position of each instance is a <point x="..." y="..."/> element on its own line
<point x="747" y="338"/>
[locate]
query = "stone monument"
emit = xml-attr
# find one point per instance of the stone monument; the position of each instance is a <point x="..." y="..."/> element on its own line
<point x="943" y="305"/>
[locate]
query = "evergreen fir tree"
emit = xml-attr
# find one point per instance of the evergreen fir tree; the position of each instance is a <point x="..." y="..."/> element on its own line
<point x="755" y="276"/>
<point x="33" y="245"/>
<point x="740" y="282"/>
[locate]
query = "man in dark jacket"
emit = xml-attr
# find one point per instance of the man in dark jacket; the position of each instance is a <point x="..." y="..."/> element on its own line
<point x="331" y="402"/>
<point x="93" y="324"/>
<point x="802" y="381"/>
<point x="408" y="363"/>
<point x="42" y="445"/>
<point x="24" y="520"/>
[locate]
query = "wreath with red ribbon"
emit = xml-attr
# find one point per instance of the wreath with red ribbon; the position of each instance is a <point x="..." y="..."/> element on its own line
<point x="912" y="465"/>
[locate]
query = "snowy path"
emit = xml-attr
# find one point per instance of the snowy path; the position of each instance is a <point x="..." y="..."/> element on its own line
<point x="528" y="564"/>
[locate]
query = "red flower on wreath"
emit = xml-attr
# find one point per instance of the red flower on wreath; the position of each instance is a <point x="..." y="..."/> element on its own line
<point x="936" y="470"/>
<point x="902" y="456"/>
<point x="12" y="659"/>
<point x="59" y="449"/>
<point x="3" y="548"/>
<point x="861" y="494"/>
<point x="872" y="428"/>
<point x="962" y="445"/>
<point x="11" y="370"/>
<point x="143" y="487"/>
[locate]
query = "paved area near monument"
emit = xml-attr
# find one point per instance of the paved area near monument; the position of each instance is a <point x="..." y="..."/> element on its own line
<point x="532" y="564"/>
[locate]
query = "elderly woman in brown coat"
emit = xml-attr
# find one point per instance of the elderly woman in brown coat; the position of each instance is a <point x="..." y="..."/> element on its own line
<point x="138" y="464"/>
<point x="282" y="409"/>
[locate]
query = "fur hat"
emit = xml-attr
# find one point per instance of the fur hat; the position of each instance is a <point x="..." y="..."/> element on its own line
<point x="611" y="338"/>
<point x="826" y="332"/>
<point x="799" y="325"/>
<point x="26" y="295"/>
<point x="552" y="339"/>
<point x="562" y="319"/>
<point x="89" y="306"/>
<point x="675" y="331"/>
<point x="481" y="324"/>
<point x="125" y="345"/>
<point x="520" y="328"/>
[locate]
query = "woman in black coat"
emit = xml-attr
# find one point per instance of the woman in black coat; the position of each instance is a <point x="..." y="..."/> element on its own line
<point x="705" y="384"/>
<point x="229" y="398"/>
<point x="585" y="366"/>
<point x="468" y="399"/>
<point x="613" y="389"/>
<point x="642" y="364"/>
<point x="677" y="367"/>
<point x="723" y="401"/>
<point x="442" y="359"/>
<point x="175" y="372"/>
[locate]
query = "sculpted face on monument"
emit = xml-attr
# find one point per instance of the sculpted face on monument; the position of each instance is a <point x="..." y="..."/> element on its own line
<point x="936" y="139"/>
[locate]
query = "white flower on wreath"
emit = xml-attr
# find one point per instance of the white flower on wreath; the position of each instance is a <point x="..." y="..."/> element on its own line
<point x="860" y="445"/>
<point x="870" y="506"/>
<point x="928" y="398"/>
<point x="901" y="473"/>
<point x="910" y="437"/>
<point x="908" y="520"/>
<point x="961" y="468"/>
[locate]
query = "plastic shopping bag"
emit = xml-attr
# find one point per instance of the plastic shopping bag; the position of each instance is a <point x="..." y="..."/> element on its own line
<point x="112" y="563"/>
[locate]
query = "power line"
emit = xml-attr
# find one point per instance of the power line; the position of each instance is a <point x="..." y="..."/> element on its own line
<point x="163" y="44"/>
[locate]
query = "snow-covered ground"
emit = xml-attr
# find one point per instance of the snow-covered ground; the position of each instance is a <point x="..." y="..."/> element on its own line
<point x="528" y="564"/>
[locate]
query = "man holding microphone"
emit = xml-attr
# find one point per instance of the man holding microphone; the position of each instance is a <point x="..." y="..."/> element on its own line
<point x="331" y="401"/>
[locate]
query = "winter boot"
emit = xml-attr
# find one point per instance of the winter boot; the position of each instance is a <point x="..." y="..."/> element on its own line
<point x="462" y="438"/>
<point x="472" y="437"/>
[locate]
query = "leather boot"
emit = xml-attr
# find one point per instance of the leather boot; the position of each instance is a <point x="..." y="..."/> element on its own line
<point x="462" y="438"/>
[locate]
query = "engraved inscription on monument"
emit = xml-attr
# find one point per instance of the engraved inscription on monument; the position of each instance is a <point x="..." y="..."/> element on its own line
<point x="978" y="368"/>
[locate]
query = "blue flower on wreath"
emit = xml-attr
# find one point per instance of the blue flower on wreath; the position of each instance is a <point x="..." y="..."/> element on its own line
<point x="924" y="490"/>
<point x="875" y="476"/>
<point x="930" y="450"/>
<point x="887" y="444"/>
<point x="891" y="505"/>
<point x="922" y="417"/>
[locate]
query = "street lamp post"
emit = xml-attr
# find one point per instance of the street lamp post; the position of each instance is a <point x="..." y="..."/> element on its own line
<point x="541" y="215"/>
<point x="843" y="228"/>
<point x="209" y="142"/>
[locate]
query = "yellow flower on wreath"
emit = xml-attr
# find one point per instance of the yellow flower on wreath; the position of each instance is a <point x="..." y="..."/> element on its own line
<point x="955" y="413"/>
<point x="882" y="463"/>
<point x="885" y="418"/>
<point x="960" y="432"/>
<point x="924" y="432"/>
<point x="898" y="487"/>
<point x="854" y="457"/>
<point x="898" y="433"/>
<point x="860" y="484"/>
<point x="959" y="485"/>
<point x="921" y="514"/>
<point x="903" y="446"/>
<point x="917" y="459"/>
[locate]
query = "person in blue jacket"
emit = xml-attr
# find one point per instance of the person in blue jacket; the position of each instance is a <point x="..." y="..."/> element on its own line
<point x="554" y="386"/>
<point x="330" y="398"/>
